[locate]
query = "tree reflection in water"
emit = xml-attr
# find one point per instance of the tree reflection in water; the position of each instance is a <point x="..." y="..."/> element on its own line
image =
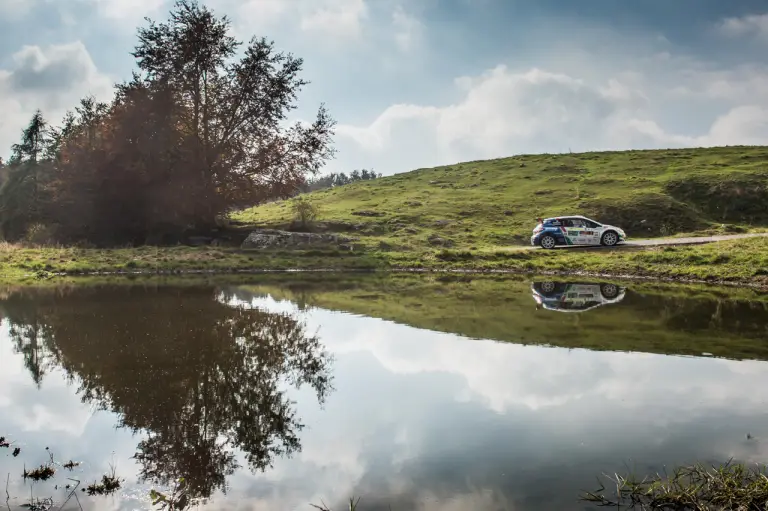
<point x="201" y="378"/>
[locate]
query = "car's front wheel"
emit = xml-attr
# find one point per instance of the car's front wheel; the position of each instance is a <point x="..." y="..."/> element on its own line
<point x="548" y="241"/>
<point x="609" y="291"/>
<point x="609" y="239"/>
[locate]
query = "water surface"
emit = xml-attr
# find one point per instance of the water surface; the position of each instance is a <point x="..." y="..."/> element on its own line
<point x="414" y="393"/>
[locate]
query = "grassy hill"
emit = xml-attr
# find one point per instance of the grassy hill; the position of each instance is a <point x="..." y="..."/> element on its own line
<point x="682" y="320"/>
<point x="487" y="204"/>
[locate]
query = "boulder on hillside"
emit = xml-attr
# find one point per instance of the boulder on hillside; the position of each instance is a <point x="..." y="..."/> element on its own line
<point x="439" y="241"/>
<point x="273" y="238"/>
<point x="367" y="213"/>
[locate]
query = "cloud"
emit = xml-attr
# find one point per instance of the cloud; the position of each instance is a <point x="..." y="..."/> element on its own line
<point x="52" y="78"/>
<point x="122" y="10"/>
<point x="753" y="25"/>
<point x="743" y="125"/>
<point x="408" y="29"/>
<point x="526" y="406"/>
<point x="502" y="112"/>
<point x="336" y="18"/>
<point x="14" y="9"/>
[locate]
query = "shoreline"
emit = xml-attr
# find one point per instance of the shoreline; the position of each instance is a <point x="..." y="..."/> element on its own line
<point x="53" y="277"/>
<point x="736" y="263"/>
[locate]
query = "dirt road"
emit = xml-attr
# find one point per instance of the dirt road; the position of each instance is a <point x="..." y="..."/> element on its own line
<point x="693" y="240"/>
<point x="672" y="241"/>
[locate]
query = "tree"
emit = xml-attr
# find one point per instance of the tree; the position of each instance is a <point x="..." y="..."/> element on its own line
<point x="233" y="110"/>
<point x="22" y="195"/>
<point x="33" y="140"/>
<point x="3" y="172"/>
<point x="199" y="130"/>
<point x="200" y="378"/>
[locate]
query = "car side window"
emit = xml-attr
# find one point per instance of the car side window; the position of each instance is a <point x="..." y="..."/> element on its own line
<point x="591" y="225"/>
<point x="567" y="222"/>
<point x="577" y="222"/>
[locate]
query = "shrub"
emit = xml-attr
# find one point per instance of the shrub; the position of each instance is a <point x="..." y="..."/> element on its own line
<point x="645" y="214"/>
<point x="304" y="211"/>
<point x="736" y="198"/>
<point x="39" y="234"/>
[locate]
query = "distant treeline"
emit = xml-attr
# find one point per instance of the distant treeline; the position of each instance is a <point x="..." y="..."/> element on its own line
<point x="336" y="179"/>
<point x="197" y="132"/>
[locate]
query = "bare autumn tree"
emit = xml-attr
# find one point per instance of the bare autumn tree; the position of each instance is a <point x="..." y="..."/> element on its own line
<point x="235" y="106"/>
<point x="120" y="176"/>
<point x="201" y="129"/>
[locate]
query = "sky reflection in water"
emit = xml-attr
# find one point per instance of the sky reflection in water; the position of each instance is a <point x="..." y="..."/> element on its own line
<point x="409" y="418"/>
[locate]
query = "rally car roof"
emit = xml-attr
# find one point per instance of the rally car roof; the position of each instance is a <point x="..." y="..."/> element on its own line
<point x="567" y="216"/>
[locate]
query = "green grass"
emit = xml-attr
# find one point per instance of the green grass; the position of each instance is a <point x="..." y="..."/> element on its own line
<point x="19" y="263"/>
<point x="490" y="204"/>
<point x="743" y="260"/>
<point x="736" y="261"/>
<point x="729" y="486"/>
<point x="474" y="216"/>
<point x="652" y="318"/>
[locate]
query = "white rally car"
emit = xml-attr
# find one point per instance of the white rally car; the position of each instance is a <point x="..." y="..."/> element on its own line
<point x="575" y="230"/>
<point x="575" y="296"/>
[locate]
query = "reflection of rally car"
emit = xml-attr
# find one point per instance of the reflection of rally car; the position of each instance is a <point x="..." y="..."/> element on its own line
<point x="575" y="230"/>
<point x="575" y="296"/>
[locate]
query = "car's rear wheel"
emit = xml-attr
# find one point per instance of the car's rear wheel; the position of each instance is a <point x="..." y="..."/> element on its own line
<point x="548" y="241"/>
<point x="609" y="239"/>
<point x="547" y="286"/>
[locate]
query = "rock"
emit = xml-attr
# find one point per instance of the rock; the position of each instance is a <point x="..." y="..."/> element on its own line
<point x="197" y="241"/>
<point x="413" y="204"/>
<point x="367" y="213"/>
<point x="271" y="238"/>
<point x="522" y="165"/>
<point x="439" y="241"/>
<point x="442" y="223"/>
<point x="509" y="213"/>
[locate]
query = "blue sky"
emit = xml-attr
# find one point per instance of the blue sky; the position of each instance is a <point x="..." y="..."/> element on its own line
<point x="428" y="82"/>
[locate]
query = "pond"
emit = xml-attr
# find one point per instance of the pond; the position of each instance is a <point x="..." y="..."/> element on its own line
<point x="410" y="392"/>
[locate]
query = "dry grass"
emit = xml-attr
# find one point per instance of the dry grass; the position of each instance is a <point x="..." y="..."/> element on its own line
<point x="696" y="488"/>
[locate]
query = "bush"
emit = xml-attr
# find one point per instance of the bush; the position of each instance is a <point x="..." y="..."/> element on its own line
<point x="304" y="211"/>
<point x="39" y="234"/>
<point x="645" y="214"/>
<point x="735" y="199"/>
<point x="454" y="255"/>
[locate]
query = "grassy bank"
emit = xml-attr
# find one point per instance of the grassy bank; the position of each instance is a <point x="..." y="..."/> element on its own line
<point x="652" y="318"/>
<point x="729" y="486"/>
<point x="474" y="216"/>
<point x="490" y="204"/>
<point x="737" y="261"/>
